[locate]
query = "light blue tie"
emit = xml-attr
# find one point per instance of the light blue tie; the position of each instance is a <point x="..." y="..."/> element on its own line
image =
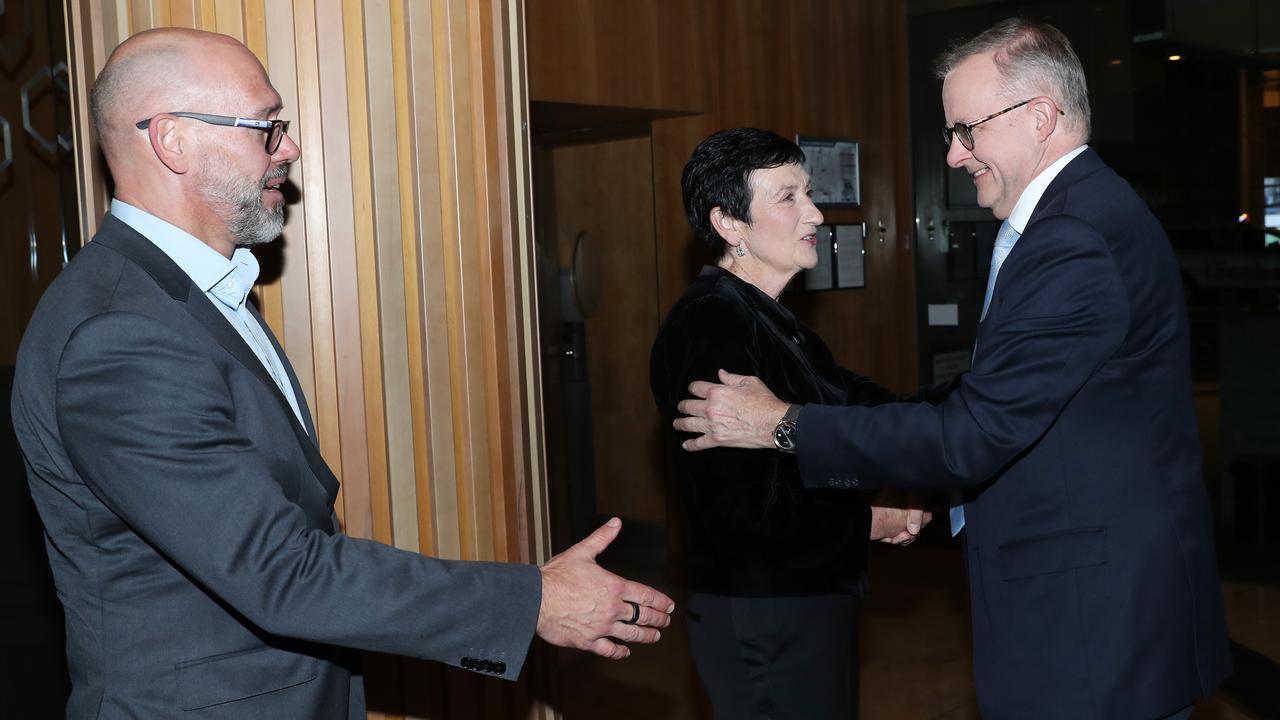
<point x="1006" y="238"/>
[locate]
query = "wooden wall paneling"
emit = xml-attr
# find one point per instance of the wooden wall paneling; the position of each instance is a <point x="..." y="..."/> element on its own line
<point x="92" y="31"/>
<point x="460" y="231"/>
<point x="384" y="142"/>
<point x="367" y="324"/>
<point x="438" y="278"/>
<point x="471" y="125"/>
<point x="491" y="328"/>
<point x="640" y="54"/>
<point x="181" y="13"/>
<point x="293" y="286"/>
<point x="253" y="14"/>
<point x="315" y="217"/>
<point x="146" y="14"/>
<point x="491" y="109"/>
<point x="114" y="16"/>
<point x="226" y="15"/>
<point x="416" y="500"/>
<point x="853" y="91"/>
<point x="902" y="331"/>
<point x="525" y="366"/>
<point x="437" y="499"/>
<point x="813" y="67"/>
<point x="563" y="47"/>
<point x="339" y="264"/>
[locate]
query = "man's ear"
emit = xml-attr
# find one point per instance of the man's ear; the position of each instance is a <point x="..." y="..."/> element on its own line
<point x="168" y="143"/>
<point x="1046" y="117"/>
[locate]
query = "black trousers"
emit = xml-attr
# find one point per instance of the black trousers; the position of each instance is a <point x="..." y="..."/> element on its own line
<point x="777" y="657"/>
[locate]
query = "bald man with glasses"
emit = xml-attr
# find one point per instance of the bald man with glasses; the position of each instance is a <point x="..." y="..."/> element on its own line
<point x="172" y="457"/>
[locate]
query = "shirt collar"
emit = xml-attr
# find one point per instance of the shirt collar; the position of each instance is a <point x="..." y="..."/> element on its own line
<point x="227" y="280"/>
<point x="1030" y="197"/>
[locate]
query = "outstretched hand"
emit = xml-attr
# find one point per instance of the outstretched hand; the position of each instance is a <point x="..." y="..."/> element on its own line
<point x="739" y="411"/>
<point x="587" y="607"/>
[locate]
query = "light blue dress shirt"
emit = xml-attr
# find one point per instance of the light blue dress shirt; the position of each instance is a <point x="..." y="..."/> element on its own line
<point x="225" y="282"/>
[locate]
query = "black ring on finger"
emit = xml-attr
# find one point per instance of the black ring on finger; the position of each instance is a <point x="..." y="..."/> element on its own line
<point x="635" y="613"/>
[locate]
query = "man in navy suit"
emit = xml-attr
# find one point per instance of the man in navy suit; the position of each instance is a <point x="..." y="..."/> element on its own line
<point x="1087" y="530"/>
<point x="188" y="513"/>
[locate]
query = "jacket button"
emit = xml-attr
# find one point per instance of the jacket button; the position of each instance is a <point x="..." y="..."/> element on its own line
<point x="500" y="667"/>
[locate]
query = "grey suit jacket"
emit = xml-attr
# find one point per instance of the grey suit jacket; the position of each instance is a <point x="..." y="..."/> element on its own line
<point x="189" y="518"/>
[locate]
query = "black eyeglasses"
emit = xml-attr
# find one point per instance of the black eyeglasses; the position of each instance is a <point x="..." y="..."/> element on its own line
<point x="275" y="129"/>
<point x="964" y="131"/>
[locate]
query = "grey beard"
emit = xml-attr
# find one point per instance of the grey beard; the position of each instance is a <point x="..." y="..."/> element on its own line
<point x="239" y="202"/>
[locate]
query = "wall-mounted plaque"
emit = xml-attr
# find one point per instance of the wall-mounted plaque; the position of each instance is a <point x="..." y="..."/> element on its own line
<point x="832" y="164"/>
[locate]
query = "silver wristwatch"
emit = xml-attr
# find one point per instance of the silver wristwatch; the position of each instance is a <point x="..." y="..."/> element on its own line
<point x="784" y="435"/>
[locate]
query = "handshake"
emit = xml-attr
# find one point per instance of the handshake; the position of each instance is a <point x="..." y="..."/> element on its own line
<point x="897" y="520"/>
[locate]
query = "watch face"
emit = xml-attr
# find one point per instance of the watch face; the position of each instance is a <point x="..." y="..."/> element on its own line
<point x="782" y="436"/>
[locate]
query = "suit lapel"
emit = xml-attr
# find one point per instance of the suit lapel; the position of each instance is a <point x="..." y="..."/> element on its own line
<point x="128" y="242"/>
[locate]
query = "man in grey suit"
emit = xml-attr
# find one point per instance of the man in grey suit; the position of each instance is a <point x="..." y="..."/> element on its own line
<point x="188" y="513"/>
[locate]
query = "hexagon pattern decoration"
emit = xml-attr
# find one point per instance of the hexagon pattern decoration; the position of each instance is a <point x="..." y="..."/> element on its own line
<point x="33" y="88"/>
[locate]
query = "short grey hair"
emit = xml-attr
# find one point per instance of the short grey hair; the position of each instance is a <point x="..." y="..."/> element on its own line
<point x="1033" y="58"/>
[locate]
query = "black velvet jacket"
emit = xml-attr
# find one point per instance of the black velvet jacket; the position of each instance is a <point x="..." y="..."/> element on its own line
<point x="753" y="530"/>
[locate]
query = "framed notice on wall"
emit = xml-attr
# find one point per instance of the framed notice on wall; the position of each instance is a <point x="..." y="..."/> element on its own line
<point x="841" y="258"/>
<point x="832" y="164"/>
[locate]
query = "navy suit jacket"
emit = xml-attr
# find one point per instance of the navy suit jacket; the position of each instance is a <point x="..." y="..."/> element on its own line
<point x="189" y="518"/>
<point x="1089" y="542"/>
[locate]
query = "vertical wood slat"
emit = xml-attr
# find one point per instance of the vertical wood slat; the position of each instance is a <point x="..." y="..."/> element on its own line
<point x="293" y="287"/>
<point x="377" y="497"/>
<point x="450" y="211"/>
<point x="432" y="282"/>
<point x="401" y="302"/>
<point x="402" y="76"/>
<point x="251" y="18"/>
<point x="314" y="160"/>
<point x="424" y="279"/>
<point x="87" y="48"/>
<point x="396" y="499"/>
<point x="341" y="261"/>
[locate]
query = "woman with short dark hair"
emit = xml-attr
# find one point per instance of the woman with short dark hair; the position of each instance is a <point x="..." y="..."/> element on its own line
<point x="774" y="571"/>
